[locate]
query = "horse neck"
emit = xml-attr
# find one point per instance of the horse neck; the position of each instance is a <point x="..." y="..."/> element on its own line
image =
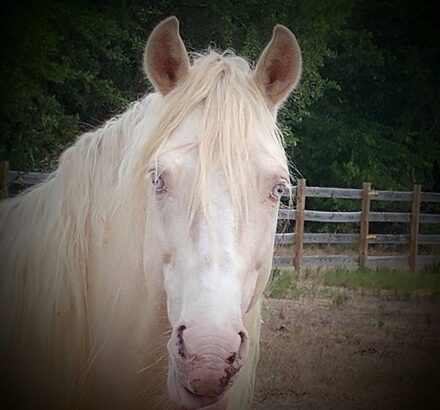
<point x="70" y="249"/>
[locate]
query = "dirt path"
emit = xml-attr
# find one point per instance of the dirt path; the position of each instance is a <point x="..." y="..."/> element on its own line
<point x="355" y="352"/>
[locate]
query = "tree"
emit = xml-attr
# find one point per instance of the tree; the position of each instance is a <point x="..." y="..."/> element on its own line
<point x="366" y="108"/>
<point x="380" y="123"/>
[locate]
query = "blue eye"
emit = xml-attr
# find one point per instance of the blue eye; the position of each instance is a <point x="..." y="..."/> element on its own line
<point x="278" y="191"/>
<point x="157" y="183"/>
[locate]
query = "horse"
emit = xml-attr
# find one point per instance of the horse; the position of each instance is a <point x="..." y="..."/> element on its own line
<point x="133" y="276"/>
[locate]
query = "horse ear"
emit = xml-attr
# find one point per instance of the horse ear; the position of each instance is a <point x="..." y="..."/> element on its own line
<point x="165" y="59"/>
<point x="279" y="67"/>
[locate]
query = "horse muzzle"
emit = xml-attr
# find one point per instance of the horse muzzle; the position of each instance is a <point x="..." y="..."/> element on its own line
<point x="204" y="365"/>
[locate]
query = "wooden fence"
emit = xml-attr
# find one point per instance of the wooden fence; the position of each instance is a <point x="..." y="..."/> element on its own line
<point x="300" y="215"/>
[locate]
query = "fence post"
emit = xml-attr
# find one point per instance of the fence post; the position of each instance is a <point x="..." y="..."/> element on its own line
<point x="4" y="176"/>
<point x="414" y="241"/>
<point x="300" y="199"/>
<point x="363" y="240"/>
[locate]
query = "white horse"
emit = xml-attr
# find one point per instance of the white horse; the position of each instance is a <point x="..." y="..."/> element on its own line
<point x="138" y="268"/>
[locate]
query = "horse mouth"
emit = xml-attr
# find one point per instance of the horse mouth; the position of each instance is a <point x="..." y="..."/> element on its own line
<point x="184" y="399"/>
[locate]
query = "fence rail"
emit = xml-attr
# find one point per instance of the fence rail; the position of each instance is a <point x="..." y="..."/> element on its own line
<point x="28" y="178"/>
<point x="330" y="216"/>
<point x="363" y="217"/>
<point x="287" y="238"/>
<point x="300" y="215"/>
<point x="349" y="193"/>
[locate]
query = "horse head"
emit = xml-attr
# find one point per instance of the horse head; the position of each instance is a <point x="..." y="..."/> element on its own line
<point x="214" y="185"/>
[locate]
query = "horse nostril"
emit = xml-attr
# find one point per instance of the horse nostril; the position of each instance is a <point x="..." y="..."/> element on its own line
<point x="238" y="356"/>
<point x="244" y="344"/>
<point x="180" y="343"/>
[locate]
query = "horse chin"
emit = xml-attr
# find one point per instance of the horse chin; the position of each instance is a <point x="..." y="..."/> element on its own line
<point x="183" y="399"/>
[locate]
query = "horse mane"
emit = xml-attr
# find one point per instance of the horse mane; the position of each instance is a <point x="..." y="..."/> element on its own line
<point x="45" y="231"/>
<point x="44" y="248"/>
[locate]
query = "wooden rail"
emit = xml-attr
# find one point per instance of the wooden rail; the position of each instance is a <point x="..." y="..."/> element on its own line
<point x="27" y="178"/>
<point x="363" y="217"/>
<point x="349" y="193"/>
<point x="301" y="215"/>
<point x="330" y="216"/>
<point x="287" y="238"/>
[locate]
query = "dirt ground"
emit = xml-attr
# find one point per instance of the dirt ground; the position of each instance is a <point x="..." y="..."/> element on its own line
<point x="349" y="351"/>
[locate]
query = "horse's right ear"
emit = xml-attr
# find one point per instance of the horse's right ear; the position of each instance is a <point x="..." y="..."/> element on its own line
<point x="165" y="59"/>
<point x="279" y="67"/>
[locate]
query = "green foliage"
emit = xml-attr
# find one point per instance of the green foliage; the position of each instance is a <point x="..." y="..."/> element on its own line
<point x="74" y="65"/>
<point x="366" y="109"/>
<point x="380" y="124"/>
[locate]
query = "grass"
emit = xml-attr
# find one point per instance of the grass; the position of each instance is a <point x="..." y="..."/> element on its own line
<point x="286" y="283"/>
<point x="283" y="284"/>
<point x="383" y="278"/>
<point x="338" y="299"/>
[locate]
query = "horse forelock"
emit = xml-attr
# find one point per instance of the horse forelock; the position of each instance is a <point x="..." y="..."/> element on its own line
<point x="221" y="88"/>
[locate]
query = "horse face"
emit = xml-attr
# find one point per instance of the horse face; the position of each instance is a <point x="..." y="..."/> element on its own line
<point x="210" y="257"/>
<point x="214" y="266"/>
<point x="215" y="258"/>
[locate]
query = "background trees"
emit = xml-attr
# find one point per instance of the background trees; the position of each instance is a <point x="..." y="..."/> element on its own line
<point x="367" y="107"/>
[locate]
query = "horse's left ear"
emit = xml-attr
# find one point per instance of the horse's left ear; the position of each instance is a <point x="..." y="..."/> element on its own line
<point x="165" y="59"/>
<point x="279" y="67"/>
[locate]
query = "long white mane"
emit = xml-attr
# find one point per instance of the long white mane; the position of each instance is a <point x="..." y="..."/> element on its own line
<point x="44" y="248"/>
<point x="44" y="240"/>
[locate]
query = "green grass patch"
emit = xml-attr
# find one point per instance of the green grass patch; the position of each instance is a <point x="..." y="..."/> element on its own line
<point x="383" y="278"/>
<point x="286" y="283"/>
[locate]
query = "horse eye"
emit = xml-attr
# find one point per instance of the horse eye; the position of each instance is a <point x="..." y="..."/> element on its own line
<point x="278" y="191"/>
<point x="157" y="183"/>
